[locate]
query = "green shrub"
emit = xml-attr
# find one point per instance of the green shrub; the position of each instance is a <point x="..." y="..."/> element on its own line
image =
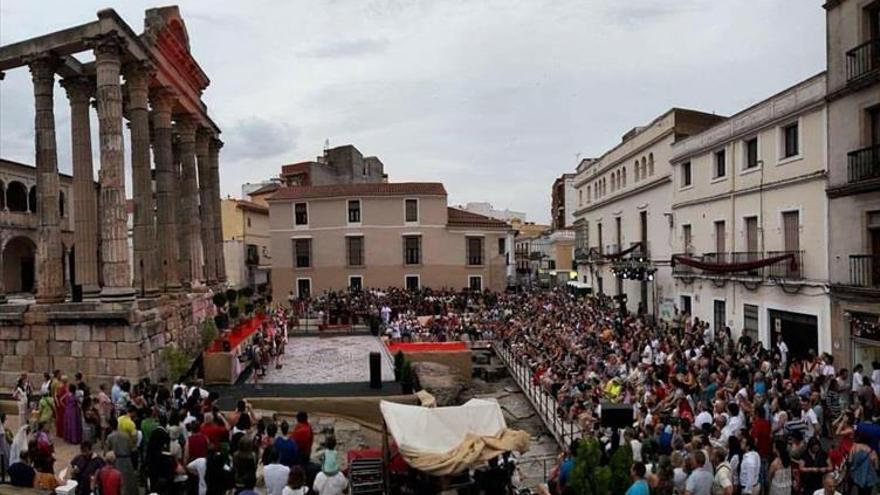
<point x="588" y="477"/>
<point x="209" y="332"/>
<point x="177" y="362"/>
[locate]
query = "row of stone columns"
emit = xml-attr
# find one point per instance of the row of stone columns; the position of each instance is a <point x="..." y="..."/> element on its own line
<point x="175" y="237"/>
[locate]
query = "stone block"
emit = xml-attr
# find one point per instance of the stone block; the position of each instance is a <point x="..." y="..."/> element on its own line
<point x="108" y="350"/>
<point x="27" y="363"/>
<point x="8" y="378"/>
<point x="134" y="368"/>
<point x="59" y="348"/>
<point x="25" y="333"/>
<point x="66" y="364"/>
<point x="76" y="349"/>
<point x="11" y="363"/>
<point x="42" y="363"/>
<point x="83" y="333"/>
<point x="41" y="332"/>
<point x="116" y="333"/>
<point x="65" y="333"/>
<point x="24" y="347"/>
<point x="10" y="333"/>
<point x="99" y="334"/>
<point x="92" y="349"/>
<point x="116" y="367"/>
<point x="41" y="348"/>
<point x="127" y="350"/>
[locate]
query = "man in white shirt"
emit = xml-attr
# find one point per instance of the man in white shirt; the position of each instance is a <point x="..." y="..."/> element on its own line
<point x="828" y="484"/>
<point x="857" y="378"/>
<point x="808" y="415"/>
<point x="275" y="474"/>
<point x="330" y="485"/>
<point x="199" y="467"/>
<point x="783" y="351"/>
<point x="749" y="469"/>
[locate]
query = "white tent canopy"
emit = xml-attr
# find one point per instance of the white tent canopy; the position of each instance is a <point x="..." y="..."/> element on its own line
<point x="449" y="440"/>
<point x="440" y="429"/>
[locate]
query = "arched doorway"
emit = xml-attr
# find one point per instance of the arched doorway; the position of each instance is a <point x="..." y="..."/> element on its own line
<point x="17" y="197"/>
<point x="19" y="265"/>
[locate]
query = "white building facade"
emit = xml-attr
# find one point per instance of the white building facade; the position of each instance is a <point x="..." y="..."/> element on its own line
<point x="623" y="203"/>
<point x="746" y="192"/>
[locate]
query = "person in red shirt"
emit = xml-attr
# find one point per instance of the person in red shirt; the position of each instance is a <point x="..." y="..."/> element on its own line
<point x="196" y="443"/>
<point x="303" y="436"/>
<point x="762" y="433"/>
<point x="108" y="479"/>
<point x="216" y="430"/>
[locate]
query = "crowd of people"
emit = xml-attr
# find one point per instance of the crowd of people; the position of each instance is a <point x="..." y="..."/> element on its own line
<point x="712" y="414"/>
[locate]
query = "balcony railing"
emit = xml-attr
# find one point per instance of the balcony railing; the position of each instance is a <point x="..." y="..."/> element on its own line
<point x="784" y="269"/>
<point x="863" y="164"/>
<point x="862" y="60"/>
<point x="864" y="270"/>
<point x="787" y="268"/>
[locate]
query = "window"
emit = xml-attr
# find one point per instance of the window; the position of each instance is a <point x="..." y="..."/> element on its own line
<point x="502" y="245"/>
<point x="686" y="305"/>
<point x="248" y="221"/>
<point x="750" y="321"/>
<point x="751" y="234"/>
<point x="302" y="253"/>
<point x="720" y="314"/>
<point x="685" y="174"/>
<point x="304" y="288"/>
<point x="475" y="283"/>
<point x="791" y="230"/>
<point x="253" y="255"/>
<point x="790" y="146"/>
<point x="623" y="174"/>
<point x="412" y="210"/>
<point x="474" y="250"/>
<point x="751" y="149"/>
<point x="687" y="238"/>
<point x="354" y="211"/>
<point x="720" y="164"/>
<point x="301" y="214"/>
<point x="412" y="282"/>
<point x="720" y="240"/>
<point x="355" y="250"/>
<point x="650" y="163"/>
<point x="355" y="282"/>
<point x="412" y="249"/>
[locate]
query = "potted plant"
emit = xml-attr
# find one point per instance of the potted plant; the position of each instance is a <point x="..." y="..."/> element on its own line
<point x="399" y="360"/>
<point x="407" y="378"/>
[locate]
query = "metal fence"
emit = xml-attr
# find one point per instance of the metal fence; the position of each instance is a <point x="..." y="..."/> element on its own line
<point x="545" y="404"/>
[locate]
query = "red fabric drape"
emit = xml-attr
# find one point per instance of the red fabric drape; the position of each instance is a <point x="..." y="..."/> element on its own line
<point x="734" y="267"/>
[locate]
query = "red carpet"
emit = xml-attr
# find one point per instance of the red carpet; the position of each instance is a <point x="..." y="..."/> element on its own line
<point x="238" y="335"/>
<point x="427" y="347"/>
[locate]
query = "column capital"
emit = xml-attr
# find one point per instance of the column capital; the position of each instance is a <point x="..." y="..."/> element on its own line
<point x="186" y="126"/>
<point x="42" y="66"/>
<point x="80" y="89"/>
<point x="216" y="143"/>
<point x="106" y="45"/>
<point x="203" y="140"/>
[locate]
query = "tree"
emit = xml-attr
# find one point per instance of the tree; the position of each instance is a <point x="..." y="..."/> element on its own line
<point x="589" y="477"/>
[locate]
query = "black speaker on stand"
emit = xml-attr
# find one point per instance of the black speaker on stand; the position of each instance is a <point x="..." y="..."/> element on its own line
<point x="617" y="415"/>
<point x="375" y="370"/>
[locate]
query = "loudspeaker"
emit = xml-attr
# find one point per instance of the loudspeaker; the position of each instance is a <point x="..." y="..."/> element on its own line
<point x="375" y="370"/>
<point x="617" y="415"/>
<point x="76" y="293"/>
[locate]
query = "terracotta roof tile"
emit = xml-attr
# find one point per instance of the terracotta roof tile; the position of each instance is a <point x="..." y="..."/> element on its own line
<point x="250" y="205"/>
<point x="461" y="218"/>
<point x="368" y="189"/>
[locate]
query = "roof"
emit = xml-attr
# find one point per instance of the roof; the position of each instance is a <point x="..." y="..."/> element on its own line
<point x="265" y="189"/>
<point x="250" y="205"/>
<point x="461" y="218"/>
<point x="32" y="168"/>
<point x="366" y="189"/>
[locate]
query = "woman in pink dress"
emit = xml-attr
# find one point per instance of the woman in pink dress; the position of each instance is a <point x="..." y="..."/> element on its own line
<point x="73" y="421"/>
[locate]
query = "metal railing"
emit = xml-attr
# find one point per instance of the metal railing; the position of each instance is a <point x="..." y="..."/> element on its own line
<point x="544" y="404"/>
<point x="863" y="164"/>
<point x="787" y="268"/>
<point x="864" y="270"/>
<point x="862" y="60"/>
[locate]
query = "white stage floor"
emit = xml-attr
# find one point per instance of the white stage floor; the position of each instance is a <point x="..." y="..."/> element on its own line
<point x="338" y="359"/>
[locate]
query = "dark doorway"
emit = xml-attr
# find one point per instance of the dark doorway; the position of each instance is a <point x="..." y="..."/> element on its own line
<point x="720" y="314"/>
<point x="304" y="288"/>
<point x="799" y="331"/>
<point x="28" y="271"/>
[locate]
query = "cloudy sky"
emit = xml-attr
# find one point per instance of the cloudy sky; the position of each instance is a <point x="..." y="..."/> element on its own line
<point x="493" y="98"/>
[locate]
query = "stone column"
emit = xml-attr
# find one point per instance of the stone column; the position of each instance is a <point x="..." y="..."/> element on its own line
<point x="187" y="218"/>
<point x="85" y="200"/>
<point x="219" y="258"/>
<point x="203" y="138"/>
<point x="114" y="219"/>
<point x="2" y="269"/>
<point x="166" y="191"/>
<point x="50" y="271"/>
<point x="137" y="81"/>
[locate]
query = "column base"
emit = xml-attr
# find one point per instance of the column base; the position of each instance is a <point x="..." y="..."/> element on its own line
<point x="49" y="299"/>
<point x="150" y="292"/>
<point x="91" y="292"/>
<point x="117" y="294"/>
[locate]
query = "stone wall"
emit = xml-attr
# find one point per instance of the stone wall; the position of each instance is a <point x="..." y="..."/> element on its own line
<point x="100" y="340"/>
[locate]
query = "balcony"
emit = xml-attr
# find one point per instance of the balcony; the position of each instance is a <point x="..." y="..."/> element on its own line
<point x="738" y="265"/>
<point x="864" y="270"/>
<point x="862" y="60"/>
<point x="863" y="164"/>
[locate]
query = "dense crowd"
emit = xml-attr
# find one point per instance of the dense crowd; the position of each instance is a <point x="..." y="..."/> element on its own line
<point x="165" y="438"/>
<point x="712" y="414"/>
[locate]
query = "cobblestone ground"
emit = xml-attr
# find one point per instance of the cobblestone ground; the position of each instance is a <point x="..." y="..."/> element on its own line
<point x="338" y="359"/>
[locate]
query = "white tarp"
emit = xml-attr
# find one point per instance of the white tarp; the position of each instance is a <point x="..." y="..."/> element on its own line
<point x="439" y="430"/>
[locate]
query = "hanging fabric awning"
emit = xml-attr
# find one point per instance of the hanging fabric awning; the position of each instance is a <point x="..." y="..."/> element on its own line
<point x="622" y="253"/>
<point x="734" y="267"/>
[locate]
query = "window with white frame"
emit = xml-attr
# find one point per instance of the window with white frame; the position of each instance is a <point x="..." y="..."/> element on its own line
<point x="750" y="148"/>
<point x="411" y="210"/>
<point x="720" y="164"/>
<point x="302" y="253"/>
<point x="685" y="174"/>
<point x="790" y="140"/>
<point x="301" y="214"/>
<point x="354" y="211"/>
<point x="475" y="283"/>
